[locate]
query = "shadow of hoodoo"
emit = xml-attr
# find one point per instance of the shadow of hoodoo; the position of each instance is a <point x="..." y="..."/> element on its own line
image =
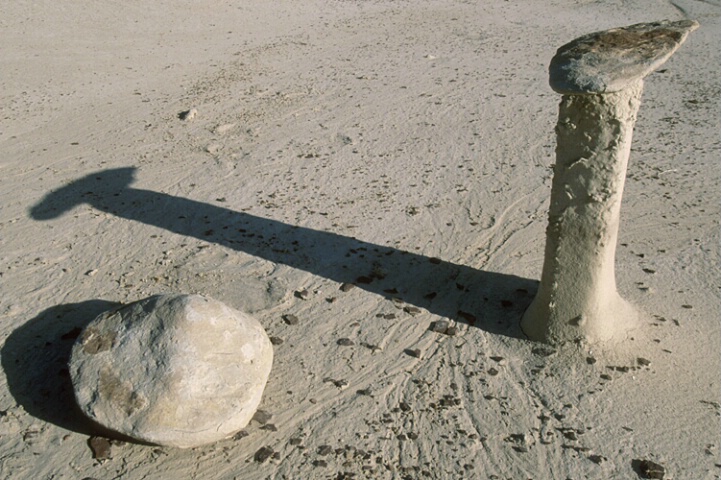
<point x="490" y="301"/>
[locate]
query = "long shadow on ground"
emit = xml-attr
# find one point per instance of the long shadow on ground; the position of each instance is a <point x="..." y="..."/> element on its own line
<point x="490" y="301"/>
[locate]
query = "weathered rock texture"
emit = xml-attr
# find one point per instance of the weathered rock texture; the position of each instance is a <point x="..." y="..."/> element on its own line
<point x="174" y="370"/>
<point x="601" y="77"/>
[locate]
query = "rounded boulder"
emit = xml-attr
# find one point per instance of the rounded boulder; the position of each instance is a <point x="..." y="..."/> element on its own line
<point x="172" y="370"/>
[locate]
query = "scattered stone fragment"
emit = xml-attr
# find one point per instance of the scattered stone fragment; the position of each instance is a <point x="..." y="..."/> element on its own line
<point x="597" y="459"/>
<point x="324" y="450"/>
<point x="302" y="294"/>
<point x="188" y="115"/>
<point x="492" y="372"/>
<point x="262" y="417"/>
<point x="413" y="352"/>
<point x="270" y="427"/>
<point x="295" y="441"/>
<point x="338" y="383"/>
<point x="173" y="370"/>
<point x="290" y="319"/>
<point x="590" y="360"/>
<point x="240" y="435"/>
<point x="649" y="469"/>
<point x="320" y="463"/>
<point x="435" y="260"/>
<point x="412" y="311"/>
<point x="276" y="340"/>
<point x="263" y="454"/>
<point x="543" y="351"/>
<point x="404" y="407"/>
<point x="440" y="326"/>
<point x="100" y="447"/>
<point x="345" y="342"/>
<point x="346" y="287"/>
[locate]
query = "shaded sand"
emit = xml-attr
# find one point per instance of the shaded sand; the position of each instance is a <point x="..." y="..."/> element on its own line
<point x="403" y="147"/>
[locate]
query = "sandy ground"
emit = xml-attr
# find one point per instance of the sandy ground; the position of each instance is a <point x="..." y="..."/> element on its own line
<point x="405" y="147"/>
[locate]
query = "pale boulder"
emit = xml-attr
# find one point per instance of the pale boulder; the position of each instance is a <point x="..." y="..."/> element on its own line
<point x="173" y="370"/>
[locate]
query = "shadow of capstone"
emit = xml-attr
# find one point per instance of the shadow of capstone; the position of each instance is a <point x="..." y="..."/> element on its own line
<point x="490" y="301"/>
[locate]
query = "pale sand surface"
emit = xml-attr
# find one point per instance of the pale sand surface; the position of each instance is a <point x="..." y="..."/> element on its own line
<point x="406" y="142"/>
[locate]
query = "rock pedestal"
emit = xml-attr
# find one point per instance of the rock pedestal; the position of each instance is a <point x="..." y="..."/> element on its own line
<point x="173" y="370"/>
<point x="601" y="78"/>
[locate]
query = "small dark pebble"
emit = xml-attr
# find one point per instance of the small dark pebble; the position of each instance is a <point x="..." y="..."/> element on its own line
<point x="302" y="294"/>
<point x="605" y="376"/>
<point x="389" y="316"/>
<point x="440" y="326"/>
<point x="492" y="372"/>
<point x="295" y="441"/>
<point x="649" y="469"/>
<point x="100" y="447"/>
<point x="413" y="435"/>
<point x="240" y="435"/>
<point x="290" y="319"/>
<point x="597" y="459"/>
<point x="346" y="287"/>
<point x="404" y="407"/>
<point x="543" y="351"/>
<point x="413" y="352"/>
<point x="687" y="306"/>
<point x="345" y="342"/>
<point x="263" y="454"/>
<point x="643" y="361"/>
<point x="262" y="417"/>
<point x="590" y="360"/>
<point x="649" y="270"/>
<point x="364" y="391"/>
<point x="435" y="260"/>
<point x="324" y="450"/>
<point x="496" y="359"/>
<point x="412" y="311"/>
<point x="320" y="463"/>
<point x="269" y="427"/>
<point x="276" y="340"/>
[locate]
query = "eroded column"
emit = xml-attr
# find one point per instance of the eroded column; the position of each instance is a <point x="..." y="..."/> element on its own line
<point x="601" y="78"/>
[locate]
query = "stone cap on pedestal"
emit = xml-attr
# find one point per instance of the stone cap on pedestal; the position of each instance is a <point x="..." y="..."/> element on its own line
<point x="609" y="61"/>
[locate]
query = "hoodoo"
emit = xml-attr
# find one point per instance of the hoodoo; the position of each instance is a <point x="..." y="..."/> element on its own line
<point x="601" y="78"/>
